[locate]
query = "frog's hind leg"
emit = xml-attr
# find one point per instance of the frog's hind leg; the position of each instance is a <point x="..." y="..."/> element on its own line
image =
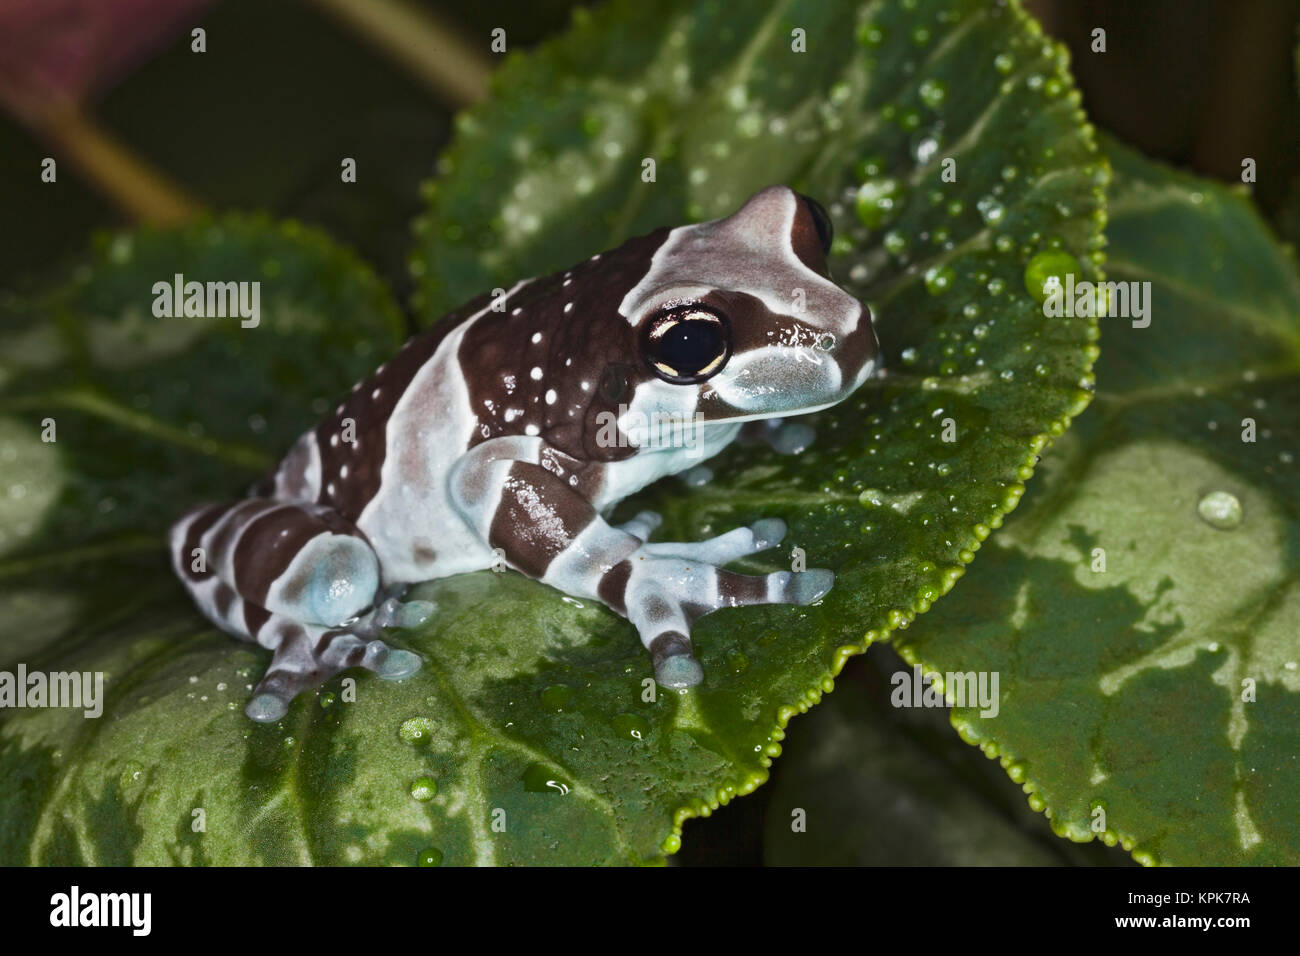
<point x="294" y="577"/>
<point x="307" y="655"/>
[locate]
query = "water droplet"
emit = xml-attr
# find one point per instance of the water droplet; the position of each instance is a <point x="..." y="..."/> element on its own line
<point x="416" y="731"/>
<point x="424" y="788"/>
<point x="1004" y="63"/>
<point x="327" y="700"/>
<point x="933" y="93"/>
<point x="121" y="249"/>
<point x="631" y="726"/>
<point x="1047" y="270"/>
<point x="132" y="775"/>
<point x="991" y="211"/>
<point x="870" y="35"/>
<point x="539" y="778"/>
<point x="429" y="857"/>
<point x="1220" y="509"/>
<point x="557" y="697"/>
<point x="895" y="242"/>
<point x="938" y="279"/>
<point x="878" y="201"/>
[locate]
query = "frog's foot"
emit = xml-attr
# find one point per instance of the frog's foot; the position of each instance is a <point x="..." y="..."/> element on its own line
<point x="393" y="612"/>
<point x="643" y="525"/>
<point x="667" y="592"/>
<point x="783" y="435"/>
<point x="307" y="655"/>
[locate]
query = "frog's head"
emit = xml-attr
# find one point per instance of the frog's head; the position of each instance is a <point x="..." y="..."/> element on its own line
<point x="738" y="319"/>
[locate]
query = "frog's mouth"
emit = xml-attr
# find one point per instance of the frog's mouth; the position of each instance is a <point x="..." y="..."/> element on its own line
<point x="791" y="380"/>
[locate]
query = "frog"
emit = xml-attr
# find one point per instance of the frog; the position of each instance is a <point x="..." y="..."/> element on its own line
<point x="504" y="436"/>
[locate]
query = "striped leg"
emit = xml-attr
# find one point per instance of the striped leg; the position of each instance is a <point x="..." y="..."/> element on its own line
<point x="307" y="655"/>
<point x="548" y="530"/>
<point x="295" y="578"/>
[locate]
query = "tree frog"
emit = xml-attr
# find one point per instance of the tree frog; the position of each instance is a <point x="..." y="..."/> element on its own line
<point x="505" y="433"/>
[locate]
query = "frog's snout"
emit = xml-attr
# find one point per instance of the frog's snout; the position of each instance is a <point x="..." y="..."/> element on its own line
<point x="857" y="352"/>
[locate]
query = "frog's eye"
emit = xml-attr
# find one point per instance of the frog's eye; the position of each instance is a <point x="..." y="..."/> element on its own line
<point x="687" y="344"/>
<point x="821" y="220"/>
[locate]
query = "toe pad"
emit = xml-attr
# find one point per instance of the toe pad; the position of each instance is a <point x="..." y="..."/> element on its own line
<point x="265" y="708"/>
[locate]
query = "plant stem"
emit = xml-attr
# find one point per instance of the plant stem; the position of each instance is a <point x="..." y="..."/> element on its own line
<point x="430" y="48"/>
<point x="142" y="191"/>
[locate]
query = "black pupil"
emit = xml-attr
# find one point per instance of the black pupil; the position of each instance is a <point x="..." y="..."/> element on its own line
<point x="690" y="345"/>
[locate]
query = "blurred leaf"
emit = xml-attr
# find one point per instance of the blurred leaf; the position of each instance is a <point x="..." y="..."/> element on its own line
<point x="1124" y="690"/>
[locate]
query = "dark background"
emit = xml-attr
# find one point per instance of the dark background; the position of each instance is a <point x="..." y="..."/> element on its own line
<point x="262" y="119"/>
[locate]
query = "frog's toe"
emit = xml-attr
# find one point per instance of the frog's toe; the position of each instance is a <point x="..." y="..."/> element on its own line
<point x="767" y="533"/>
<point x="398" y="664"/>
<point x="397" y="613"/>
<point x="675" y="665"/>
<point x="791" y="438"/>
<point x="266" y="708"/>
<point x="389" y="663"/>
<point x="643" y="525"/>
<point x="805" y="587"/>
<point x="725" y="548"/>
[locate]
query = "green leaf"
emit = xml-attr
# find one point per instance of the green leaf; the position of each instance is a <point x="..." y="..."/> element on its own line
<point x="149" y="415"/>
<point x="1124" y="690"/>
<point x="524" y="694"/>
<point x="550" y="171"/>
<point x="864" y="783"/>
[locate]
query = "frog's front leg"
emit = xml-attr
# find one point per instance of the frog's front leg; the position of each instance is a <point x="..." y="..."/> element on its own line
<point x="521" y="500"/>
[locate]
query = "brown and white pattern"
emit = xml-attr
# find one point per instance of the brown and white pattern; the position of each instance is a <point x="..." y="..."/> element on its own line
<point x="490" y="435"/>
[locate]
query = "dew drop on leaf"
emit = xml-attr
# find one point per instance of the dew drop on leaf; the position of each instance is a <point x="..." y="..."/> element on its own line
<point x="416" y="731"/>
<point x="557" y="697"/>
<point x="631" y="726"/>
<point x="1048" y="265"/>
<point x="1220" y="509"/>
<point x="539" y="778"/>
<point x="424" y="788"/>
